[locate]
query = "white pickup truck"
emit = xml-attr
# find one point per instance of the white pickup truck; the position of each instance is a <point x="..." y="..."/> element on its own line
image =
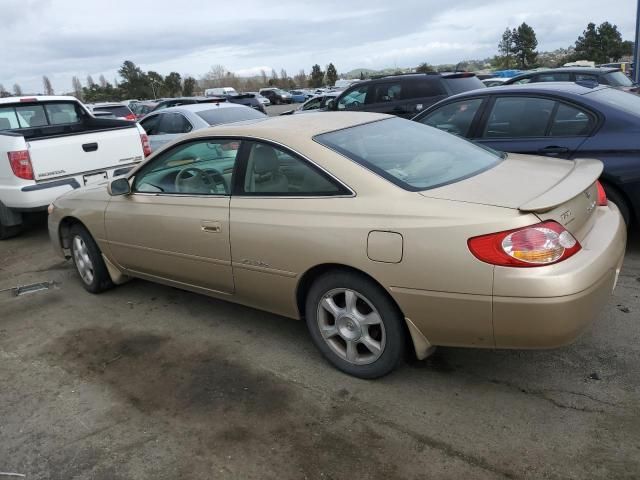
<point x="50" y="145"/>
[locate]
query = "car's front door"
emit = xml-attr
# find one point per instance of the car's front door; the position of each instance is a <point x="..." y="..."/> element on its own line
<point x="174" y="226"/>
<point x="535" y="126"/>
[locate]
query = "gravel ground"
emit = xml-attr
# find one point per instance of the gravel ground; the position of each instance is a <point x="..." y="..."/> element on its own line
<point x="150" y="382"/>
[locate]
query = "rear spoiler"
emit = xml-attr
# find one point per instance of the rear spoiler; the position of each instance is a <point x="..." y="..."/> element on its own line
<point x="583" y="174"/>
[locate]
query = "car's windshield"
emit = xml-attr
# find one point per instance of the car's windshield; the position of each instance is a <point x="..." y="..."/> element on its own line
<point x="219" y="115"/>
<point x="618" y="79"/>
<point x="410" y="154"/>
<point x="618" y="99"/>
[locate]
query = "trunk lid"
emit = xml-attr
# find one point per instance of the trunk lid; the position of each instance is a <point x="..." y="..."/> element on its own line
<point x="560" y="190"/>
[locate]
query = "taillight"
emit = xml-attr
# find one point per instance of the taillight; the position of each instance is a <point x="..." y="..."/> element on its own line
<point x="146" y="148"/>
<point x="21" y="164"/>
<point x="602" y="195"/>
<point x="131" y="117"/>
<point x="545" y="243"/>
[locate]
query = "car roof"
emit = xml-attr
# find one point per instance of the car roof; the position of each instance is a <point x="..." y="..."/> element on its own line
<point x="199" y="107"/>
<point x="592" y="70"/>
<point x="543" y="87"/>
<point x="38" y="98"/>
<point x="289" y="128"/>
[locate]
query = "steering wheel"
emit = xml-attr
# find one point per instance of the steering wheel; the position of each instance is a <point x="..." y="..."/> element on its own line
<point x="199" y="181"/>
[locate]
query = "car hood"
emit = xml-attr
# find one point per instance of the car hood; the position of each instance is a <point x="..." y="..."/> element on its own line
<point x="525" y="182"/>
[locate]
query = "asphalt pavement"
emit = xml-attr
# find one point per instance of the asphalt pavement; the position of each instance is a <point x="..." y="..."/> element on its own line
<point x="147" y="381"/>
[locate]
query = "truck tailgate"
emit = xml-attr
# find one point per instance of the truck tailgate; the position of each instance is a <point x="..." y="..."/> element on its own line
<point x="62" y="156"/>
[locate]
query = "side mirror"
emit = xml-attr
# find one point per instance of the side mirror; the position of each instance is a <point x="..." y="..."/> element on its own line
<point x="119" y="186"/>
<point x="331" y="104"/>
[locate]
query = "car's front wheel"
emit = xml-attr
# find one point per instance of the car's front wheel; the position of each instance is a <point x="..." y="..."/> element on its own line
<point x="88" y="261"/>
<point x="355" y="324"/>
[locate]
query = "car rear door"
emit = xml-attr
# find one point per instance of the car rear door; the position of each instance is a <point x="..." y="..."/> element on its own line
<point x="534" y="125"/>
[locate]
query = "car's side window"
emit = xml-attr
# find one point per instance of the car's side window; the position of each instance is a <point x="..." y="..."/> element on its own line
<point x="174" y="123"/>
<point x="581" y="77"/>
<point x="455" y="117"/>
<point x="523" y="81"/>
<point x="312" y="104"/>
<point x="570" y="121"/>
<point x="386" y="92"/>
<point x="200" y="167"/>
<point x="353" y="98"/>
<point x="150" y="124"/>
<point x="553" y="77"/>
<point x="519" y="117"/>
<point x="272" y="171"/>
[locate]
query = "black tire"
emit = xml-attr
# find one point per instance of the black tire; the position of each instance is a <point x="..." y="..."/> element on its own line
<point x="615" y="197"/>
<point x="101" y="280"/>
<point x="8" y="232"/>
<point x="394" y="332"/>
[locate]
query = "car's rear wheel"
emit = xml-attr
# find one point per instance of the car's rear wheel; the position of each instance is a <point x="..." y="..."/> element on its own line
<point x="615" y="197"/>
<point x="88" y="261"/>
<point x="355" y="324"/>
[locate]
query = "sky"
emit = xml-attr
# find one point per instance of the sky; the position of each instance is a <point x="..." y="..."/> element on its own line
<point x="63" y="38"/>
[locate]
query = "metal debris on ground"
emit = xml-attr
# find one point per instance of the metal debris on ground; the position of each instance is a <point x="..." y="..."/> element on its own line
<point x="20" y="290"/>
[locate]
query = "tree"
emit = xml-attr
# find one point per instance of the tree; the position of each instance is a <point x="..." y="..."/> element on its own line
<point x="173" y="84"/>
<point x="135" y="83"/>
<point x="332" y="74"/>
<point x="300" y="79"/>
<point x="102" y="81"/>
<point x="263" y="78"/>
<point x="46" y="85"/>
<point x="17" y="90"/>
<point x="188" y="86"/>
<point x="424" y="67"/>
<point x="90" y="82"/>
<point x="524" y="46"/>
<point x="155" y="81"/>
<point x="317" y="76"/>
<point x="3" y="91"/>
<point x="506" y="49"/>
<point x="602" y="44"/>
<point x="77" y="88"/>
<point x="361" y="75"/>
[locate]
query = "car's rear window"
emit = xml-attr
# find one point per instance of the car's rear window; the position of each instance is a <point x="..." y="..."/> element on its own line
<point x="117" y="110"/>
<point x="411" y="155"/>
<point x="41" y="114"/>
<point x="219" y="115"/>
<point x="618" y="99"/>
<point x="618" y="79"/>
<point x="463" y="84"/>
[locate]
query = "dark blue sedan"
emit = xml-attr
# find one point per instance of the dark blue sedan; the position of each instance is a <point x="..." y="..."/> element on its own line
<point x="559" y="120"/>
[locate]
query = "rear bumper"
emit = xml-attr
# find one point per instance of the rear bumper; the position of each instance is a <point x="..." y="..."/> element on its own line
<point x="543" y="307"/>
<point x="561" y="300"/>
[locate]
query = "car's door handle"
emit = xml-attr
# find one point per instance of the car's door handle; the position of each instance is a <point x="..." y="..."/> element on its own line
<point x="553" y="150"/>
<point x="90" y="147"/>
<point x="211" y="227"/>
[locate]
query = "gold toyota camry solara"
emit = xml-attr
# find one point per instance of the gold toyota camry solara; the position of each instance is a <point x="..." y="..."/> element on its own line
<point x="387" y="236"/>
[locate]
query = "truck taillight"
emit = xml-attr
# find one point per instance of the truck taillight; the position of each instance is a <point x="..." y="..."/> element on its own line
<point x="545" y="243"/>
<point x="132" y="117"/>
<point x="21" y="164"/>
<point x="146" y="147"/>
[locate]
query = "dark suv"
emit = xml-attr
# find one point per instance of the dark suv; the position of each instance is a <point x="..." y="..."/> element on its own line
<point x="404" y="95"/>
<point x="613" y="77"/>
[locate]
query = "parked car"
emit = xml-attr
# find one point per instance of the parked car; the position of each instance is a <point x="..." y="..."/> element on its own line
<point x="220" y="92"/>
<point x="276" y="95"/>
<point x="50" y="145"/>
<point x="404" y="95"/>
<point x="119" y="110"/>
<point x="174" y="102"/>
<point x="247" y="99"/>
<point x="378" y="231"/>
<point x="317" y="103"/>
<point x="140" y="109"/>
<point x="559" y="120"/>
<point x="263" y="100"/>
<point x="166" y="125"/>
<point x="298" y="96"/>
<point x="613" y="77"/>
<point x="494" y="81"/>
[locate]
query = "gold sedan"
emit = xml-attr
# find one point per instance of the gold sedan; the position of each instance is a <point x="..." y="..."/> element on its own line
<point x="382" y="233"/>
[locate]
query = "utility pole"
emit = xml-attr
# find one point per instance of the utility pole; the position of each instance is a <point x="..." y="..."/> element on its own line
<point x="636" y="50"/>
